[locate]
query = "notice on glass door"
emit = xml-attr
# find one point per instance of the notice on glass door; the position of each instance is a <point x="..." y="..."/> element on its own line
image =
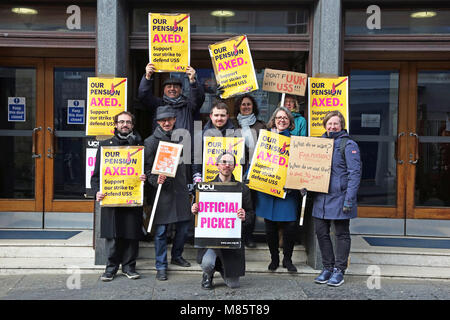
<point x="16" y="109"/>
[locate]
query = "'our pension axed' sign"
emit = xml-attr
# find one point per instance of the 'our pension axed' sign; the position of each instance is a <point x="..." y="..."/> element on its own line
<point x="106" y="98"/>
<point x="233" y="66"/>
<point x="325" y="95"/>
<point x="169" y="41"/>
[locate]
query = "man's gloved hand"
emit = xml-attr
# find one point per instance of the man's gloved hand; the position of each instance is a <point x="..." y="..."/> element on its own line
<point x="303" y="192"/>
<point x="347" y="207"/>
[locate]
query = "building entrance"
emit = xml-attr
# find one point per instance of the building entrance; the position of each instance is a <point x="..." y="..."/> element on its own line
<point x="42" y="134"/>
<point x="400" y="117"/>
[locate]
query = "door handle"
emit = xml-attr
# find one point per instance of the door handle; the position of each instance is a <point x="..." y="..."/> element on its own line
<point x="34" y="140"/>
<point x="50" y="149"/>
<point x="401" y="134"/>
<point x="416" y="147"/>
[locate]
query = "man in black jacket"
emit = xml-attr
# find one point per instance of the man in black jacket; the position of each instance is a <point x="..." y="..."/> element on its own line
<point x="229" y="262"/>
<point x="184" y="107"/>
<point x="121" y="226"/>
<point x="218" y="125"/>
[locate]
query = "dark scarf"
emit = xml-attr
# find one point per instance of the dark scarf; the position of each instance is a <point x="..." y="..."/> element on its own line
<point x="160" y="134"/>
<point x="175" y="102"/>
<point x="132" y="139"/>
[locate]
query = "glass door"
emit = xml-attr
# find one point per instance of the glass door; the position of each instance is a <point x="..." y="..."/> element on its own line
<point x="65" y="152"/>
<point x="21" y="134"/>
<point x="400" y="117"/>
<point x="42" y="126"/>
<point x="378" y="125"/>
<point x="428" y="193"/>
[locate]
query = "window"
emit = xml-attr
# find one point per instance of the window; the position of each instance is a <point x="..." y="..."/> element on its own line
<point x="400" y="22"/>
<point x="233" y="21"/>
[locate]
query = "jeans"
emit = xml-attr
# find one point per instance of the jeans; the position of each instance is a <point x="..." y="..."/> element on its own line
<point x="177" y="245"/>
<point x="343" y="242"/>
<point x="208" y="266"/>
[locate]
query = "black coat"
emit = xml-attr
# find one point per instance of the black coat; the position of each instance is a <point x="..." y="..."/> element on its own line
<point x="118" y="222"/>
<point x="184" y="110"/>
<point x="232" y="261"/>
<point x="173" y="204"/>
<point x="210" y="131"/>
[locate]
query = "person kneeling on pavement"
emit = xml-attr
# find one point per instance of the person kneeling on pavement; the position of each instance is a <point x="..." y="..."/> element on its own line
<point x="229" y="262"/>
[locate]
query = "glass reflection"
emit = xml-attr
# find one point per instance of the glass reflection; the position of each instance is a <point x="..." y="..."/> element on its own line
<point x="17" y="167"/>
<point x="69" y="142"/>
<point x="373" y="125"/>
<point x="255" y="21"/>
<point x="433" y="127"/>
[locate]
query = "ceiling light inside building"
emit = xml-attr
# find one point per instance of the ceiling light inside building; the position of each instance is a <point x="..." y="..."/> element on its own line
<point x="423" y="14"/>
<point x="222" y="13"/>
<point x="24" y="10"/>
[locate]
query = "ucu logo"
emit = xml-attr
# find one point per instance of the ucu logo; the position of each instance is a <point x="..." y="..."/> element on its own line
<point x="275" y="191"/>
<point x="92" y="143"/>
<point x="205" y="187"/>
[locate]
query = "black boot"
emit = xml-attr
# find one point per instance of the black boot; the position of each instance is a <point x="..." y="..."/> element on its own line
<point x="287" y="263"/>
<point x="207" y="281"/>
<point x="274" y="263"/>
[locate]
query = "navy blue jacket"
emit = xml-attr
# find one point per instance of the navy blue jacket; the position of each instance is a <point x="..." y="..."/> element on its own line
<point x="278" y="209"/>
<point x="344" y="181"/>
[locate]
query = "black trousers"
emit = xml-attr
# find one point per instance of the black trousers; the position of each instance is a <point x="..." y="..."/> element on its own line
<point x="343" y="242"/>
<point x="121" y="251"/>
<point x="289" y="233"/>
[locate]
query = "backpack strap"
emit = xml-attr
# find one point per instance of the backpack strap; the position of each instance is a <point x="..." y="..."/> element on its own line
<point x="342" y="145"/>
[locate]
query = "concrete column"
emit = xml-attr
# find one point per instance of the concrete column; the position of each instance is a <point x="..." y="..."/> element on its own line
<point x="112" y="60"/>
<point x="326" y="58"/>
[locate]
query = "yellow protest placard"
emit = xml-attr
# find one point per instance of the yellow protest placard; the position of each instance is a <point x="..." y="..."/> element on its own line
<point x="106" y="98"/>
<point x="310" y="163"/>
<point x="120" y="168"/>
<point x="169" y="41"/>
<point x="269" y="166"/>
<point x="325" y="95"/>
<point x="215" y="146"/>
<point x="233" y="66"/>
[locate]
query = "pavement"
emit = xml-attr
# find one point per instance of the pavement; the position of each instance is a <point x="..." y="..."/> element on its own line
<point x="186" y="286"/>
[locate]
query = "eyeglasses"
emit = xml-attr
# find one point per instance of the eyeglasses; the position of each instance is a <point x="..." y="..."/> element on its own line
<point x="124" y="121"/>
<point x="281" y="118"/>
<point x="226" y="163"/>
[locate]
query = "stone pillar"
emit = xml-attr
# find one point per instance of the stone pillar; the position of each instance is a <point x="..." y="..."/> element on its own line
<point x="326" y="58"/>
<point x="112" y="60"/>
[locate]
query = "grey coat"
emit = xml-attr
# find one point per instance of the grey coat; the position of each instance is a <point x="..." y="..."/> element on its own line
<point x="344" y="181"/>
<point x="173" y="204"/>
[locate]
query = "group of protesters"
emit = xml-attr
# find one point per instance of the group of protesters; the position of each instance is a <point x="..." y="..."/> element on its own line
<point x="122" y="226"/>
